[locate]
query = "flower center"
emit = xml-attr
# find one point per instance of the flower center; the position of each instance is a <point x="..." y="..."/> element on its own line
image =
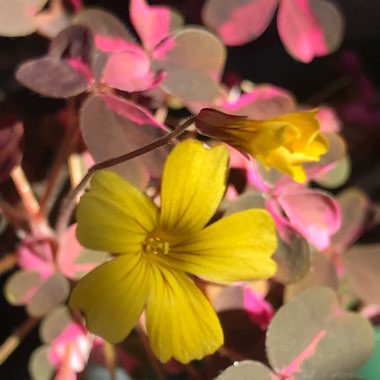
<point x="155" y="245"/>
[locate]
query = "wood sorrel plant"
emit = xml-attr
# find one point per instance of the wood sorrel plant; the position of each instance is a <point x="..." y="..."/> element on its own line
<point x="173" y="258"/>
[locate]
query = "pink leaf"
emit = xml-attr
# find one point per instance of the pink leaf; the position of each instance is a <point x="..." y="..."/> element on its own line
<point x="68" y="254"/>
<point x="260" y="311"/>
<point x="114" y="44"/>
<point x="309" y="28"/>
<point x="328" y="120"/>
<point x="130" y="71"/>
<point x="36" y="254"/>
<point x="238" y="22"/>
<point x="153" y="23"/>
<point x="313" y="214"/>
<point x="263" y="102"/>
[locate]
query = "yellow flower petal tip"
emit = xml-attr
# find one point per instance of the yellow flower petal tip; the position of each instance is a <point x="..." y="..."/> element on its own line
<point x="158" y="247"/>
<point x="284" y="142"/>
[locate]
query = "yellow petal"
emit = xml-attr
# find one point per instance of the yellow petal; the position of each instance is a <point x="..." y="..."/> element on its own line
<point x="113" y="296"/>
<point x="193" y="184"/>
<point x="180" y="321"/>
<point x="114" y="216"/>
<point x="236" y="248"/>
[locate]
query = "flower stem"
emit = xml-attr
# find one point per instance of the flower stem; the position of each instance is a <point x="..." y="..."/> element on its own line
<point x="13" y="341"/>
<point x="26" y="193"/>
<point x="69" y="202"/>
<point x="59" y="161"/>
<point x="110" y="359"/>
<point x="8" y="262"/>
<point x="155" y="364"/>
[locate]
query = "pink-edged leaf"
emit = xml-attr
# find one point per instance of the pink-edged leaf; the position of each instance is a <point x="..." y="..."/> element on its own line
<point x="73" y="260"/>
<point x="354" y="219"/>
<point x="240" y="21"/>
<point x="247" y="370"/>
<point x="132" y="111"/>
<point x="53" y="20"/>
<point x="362" y="266"/>
<point x="21" y="287"/>
<point x="153" y="23"/>
<point x="53" y="292"/>
<point x="11" y="144"/>
<point x="17" y="16"/>
<point x="102" y="22"/>
<point x="263" y="102"/>
<point x="310" y="330"/>
<point x="112" y="126"/>
<point x="309" y="28"/>
<point x="293" y="260"/>
<point x="64" y="72"/>
<point x="347" y="345"/>
<point x="130" y="71"/>
<point x="52" y="77"/>
<point x="193" y="59"/>
<point x="40" y="367"/>
<point x="312" y="213"/>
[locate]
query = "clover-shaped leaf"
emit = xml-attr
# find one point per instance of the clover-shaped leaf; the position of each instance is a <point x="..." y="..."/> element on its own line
<point x="247" y="370"/>
<point x="64" y="71"/>
<point x="102" y="22"/>
<point x="311" y="338"/>
<point x="193" y="59"/>
<point x="153" y="23"/>
<point x="112" y="126"/>
<point x="238" y="22"/>
<point x="310" y="28"/>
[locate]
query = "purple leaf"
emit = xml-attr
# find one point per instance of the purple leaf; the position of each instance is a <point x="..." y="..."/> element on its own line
<point x="64" y="72"/>
<point x="52" y="77"/>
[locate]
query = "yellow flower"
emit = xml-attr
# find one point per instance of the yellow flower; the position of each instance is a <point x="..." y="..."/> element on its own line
<point x="157" y="249"/>
<point x="283" y="142"/>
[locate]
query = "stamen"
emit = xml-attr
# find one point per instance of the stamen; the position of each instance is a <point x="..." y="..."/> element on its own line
<point x="154" y="245"/>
